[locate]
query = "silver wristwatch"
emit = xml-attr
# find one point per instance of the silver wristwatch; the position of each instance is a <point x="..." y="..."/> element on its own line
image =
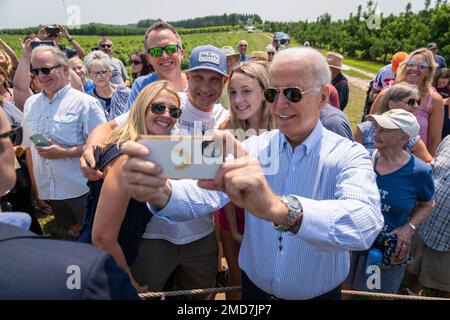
<point x="295" y="212"/>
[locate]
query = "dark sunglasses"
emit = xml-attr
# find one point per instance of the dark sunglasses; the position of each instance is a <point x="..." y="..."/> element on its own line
<point x="35" y="71"/>
<point x="411" y="102"/>
<point x="15" y="135"/>
<point x="106" y="45"/>
<point x="159" y="108"/>
<point x="242" y="45"/>
<point x="158" y="51"/>
<point x="136" y="62"/>
<point x="293" y="94"/>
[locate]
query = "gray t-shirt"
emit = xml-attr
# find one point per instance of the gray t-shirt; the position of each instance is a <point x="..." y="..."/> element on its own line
<point x="119" y="73"/>
<point x="335" y="120"/>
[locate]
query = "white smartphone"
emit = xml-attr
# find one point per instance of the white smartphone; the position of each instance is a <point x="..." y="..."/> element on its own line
<point x="185" y="157"/>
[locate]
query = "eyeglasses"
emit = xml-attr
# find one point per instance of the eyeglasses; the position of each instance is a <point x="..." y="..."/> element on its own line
<point x="15" y="135"/>
<point x="412" y="102"/>
<point x="270" y="53"/>
<point x="136" y="62"/>
<point x="158" y="51"/>
<point x="293" y="94"/>
<point x="422" y="65"/>
<point x="106" y="45"/>
<point x="159" y="108"/>
<point x="46" y="70"/>
<point x="242" y="45"/>
<point x="98" y="73"/>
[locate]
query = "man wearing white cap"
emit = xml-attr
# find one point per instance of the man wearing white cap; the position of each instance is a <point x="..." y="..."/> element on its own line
<point x="407" y="197"/>
<point x="340" y="82"/>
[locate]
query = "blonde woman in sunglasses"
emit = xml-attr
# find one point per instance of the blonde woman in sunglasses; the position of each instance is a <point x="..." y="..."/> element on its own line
<point x="114" y="221"/>
<point x="419" y="69"/>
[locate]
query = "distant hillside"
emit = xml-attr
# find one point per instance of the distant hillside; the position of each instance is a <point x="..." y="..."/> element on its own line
<point x="232" y="19"/>
<point x="225" y="22"/>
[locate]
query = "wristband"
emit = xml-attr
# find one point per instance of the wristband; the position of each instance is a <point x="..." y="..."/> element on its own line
<point x="413" y="226"/>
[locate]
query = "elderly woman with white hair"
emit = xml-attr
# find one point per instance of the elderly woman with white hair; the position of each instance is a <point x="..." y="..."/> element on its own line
<point x="113" y="98"/>
<point x="407" y="197"/>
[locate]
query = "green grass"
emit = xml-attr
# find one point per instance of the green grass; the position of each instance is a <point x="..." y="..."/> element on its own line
<point x="370" y="66"/>
<point x="49" y="227"/>
<point x="357" y="74"/>
<point x="125" y="45"/>
<point x="355" y="105"/>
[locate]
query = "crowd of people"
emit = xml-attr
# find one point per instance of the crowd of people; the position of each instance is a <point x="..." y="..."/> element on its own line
<point x="304" y="207"/>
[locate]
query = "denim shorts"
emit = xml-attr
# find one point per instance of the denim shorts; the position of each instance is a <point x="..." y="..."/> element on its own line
<point x="390" y="280"/>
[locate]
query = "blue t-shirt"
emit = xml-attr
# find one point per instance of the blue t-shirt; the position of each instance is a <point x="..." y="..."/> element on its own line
<point x="401" y="189"/>
<point x="90" y="85"/>
<point x="245" y="58"/>
<point x="440" y="60"/>
<point x="139" y="84"/>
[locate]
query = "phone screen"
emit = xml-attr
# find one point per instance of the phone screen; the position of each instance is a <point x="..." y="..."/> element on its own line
<point x="35" y="44"/>
<point x="52" y="30"/>
<point x="39" y="140"/>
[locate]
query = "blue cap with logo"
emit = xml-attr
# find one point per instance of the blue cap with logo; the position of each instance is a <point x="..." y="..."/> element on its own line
<point x="208" y="58"/>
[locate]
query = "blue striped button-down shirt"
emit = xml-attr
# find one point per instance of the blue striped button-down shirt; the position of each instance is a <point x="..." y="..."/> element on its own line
<point x="334" y="180"/>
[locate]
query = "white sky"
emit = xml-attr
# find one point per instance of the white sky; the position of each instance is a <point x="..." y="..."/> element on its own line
<point x="24" y="13"/>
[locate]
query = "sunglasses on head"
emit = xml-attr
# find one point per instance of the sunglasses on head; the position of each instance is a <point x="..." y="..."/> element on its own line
<point x="412" y="102"/>
<point x="422" y="65"/>
<point x="293" y="94"/>
<point x="159" y="108"/>
<point x="136" y="62"/>
<point x="158" y="51"/>
<point x="106" y="45"/>
<point x="46" y="70"/>
<point x="15" y="135"/>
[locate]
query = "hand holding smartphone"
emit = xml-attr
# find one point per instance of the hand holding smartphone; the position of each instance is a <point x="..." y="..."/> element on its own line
<point x="185" y="157"/>
<point x="39" y="140"/>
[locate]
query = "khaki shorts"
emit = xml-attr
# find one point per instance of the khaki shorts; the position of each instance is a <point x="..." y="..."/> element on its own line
<point x="431" y="266"/>
<point x="163" y="265"/>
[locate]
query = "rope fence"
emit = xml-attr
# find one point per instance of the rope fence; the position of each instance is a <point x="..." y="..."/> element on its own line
<point x="374" y="295"/>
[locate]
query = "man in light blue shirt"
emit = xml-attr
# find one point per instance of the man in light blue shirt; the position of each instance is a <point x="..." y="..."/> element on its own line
<point x="65" y="117"/>
<point x="310" y="195"/>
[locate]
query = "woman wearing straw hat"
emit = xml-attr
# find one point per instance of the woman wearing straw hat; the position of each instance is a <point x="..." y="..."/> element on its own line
<point x="340" y="82"/>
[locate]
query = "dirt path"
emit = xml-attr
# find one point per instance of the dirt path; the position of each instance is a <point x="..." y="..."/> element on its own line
<point x="369" y="74"/>
<point x="357" y="82"/>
